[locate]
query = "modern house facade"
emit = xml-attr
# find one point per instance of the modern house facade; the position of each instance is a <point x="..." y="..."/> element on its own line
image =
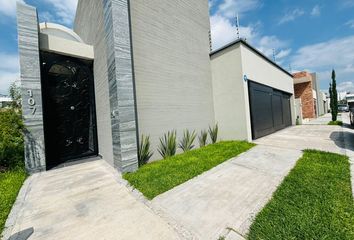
<point x="253" y="96"/>
<point x="133" y="68"/>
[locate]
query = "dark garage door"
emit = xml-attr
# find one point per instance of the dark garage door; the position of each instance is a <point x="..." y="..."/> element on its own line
<point x="270" y="109"/>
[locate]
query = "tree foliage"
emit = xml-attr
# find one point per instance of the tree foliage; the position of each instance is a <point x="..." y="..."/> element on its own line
<point x="11" y="138"/>
<point x="333" y="94"/>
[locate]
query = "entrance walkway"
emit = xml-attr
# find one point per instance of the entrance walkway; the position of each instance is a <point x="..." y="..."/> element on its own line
<point x="224" y="201"/>
<point x="83" y="201"/>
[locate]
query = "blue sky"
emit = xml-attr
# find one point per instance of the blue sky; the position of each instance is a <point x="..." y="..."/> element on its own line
<point x="306" y="34"/>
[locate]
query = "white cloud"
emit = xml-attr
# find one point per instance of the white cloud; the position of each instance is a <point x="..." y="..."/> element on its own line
<point x="223" y="32"/>
<point x="350" y="23"/>
<point x="316" y="11"/>
<point x="9" y="71"/>
<point x="229" y="8"/>
<point x="8" y="7"/>
<point x="322" y="57"/>
<point x="291" y="15"/>
<point x="6" y="79"/>
<point x="64" y="10"/>
<point x="346" y="87"/>
<point x="336" y="52"/>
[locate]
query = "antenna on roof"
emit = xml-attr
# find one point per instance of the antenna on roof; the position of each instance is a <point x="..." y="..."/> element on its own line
<point x="210" y="42"/>
<point x="274" y="60"/>
<point x="237" y="26"/>
<point x="290" y="69"/>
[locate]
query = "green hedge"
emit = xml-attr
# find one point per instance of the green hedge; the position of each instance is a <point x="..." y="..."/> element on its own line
<point x="11" y="139"/>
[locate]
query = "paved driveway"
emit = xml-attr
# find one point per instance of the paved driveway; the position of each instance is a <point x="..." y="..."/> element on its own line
<point x="223" y="201"/>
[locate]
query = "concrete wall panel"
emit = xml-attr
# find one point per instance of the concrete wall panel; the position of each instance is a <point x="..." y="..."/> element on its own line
<point x="229" y="96"/>
<point x="172" y="66"/>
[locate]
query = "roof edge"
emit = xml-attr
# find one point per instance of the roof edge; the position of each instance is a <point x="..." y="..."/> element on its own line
<point x="242" y="41"/>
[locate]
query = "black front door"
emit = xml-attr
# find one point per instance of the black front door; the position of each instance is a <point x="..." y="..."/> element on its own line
<point x="68" y="109"/>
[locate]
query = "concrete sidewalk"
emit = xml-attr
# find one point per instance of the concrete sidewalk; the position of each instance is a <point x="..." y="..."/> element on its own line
<point x="229" y="195"/>
<point x="224" y="200"/>
<point x="83" y="201"/>
<point x="322" y="120"/>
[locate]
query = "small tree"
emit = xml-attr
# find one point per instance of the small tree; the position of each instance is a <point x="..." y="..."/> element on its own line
<point x="334" y="97"/>
<point x="15" y="94"/>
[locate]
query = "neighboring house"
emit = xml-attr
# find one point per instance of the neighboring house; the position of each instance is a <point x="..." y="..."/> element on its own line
<point x="130" y="69"/>
<point x="253" y="96"/>
<point x="306" y="89"/>
<point x="350" y="99"/>
<point x="322" y="103"/>
<point x="5" y="101"/>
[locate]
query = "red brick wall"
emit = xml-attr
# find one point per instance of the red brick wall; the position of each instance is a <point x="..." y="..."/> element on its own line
<point x="304" y="91"/>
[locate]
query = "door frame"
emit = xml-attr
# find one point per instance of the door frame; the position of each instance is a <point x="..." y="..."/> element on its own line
<point x="89" y="63"/>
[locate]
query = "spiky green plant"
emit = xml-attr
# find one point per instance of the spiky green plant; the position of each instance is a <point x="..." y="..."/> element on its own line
<point x="144" y="152"/>
<point x="168" y="144"/>
<point x="213" y="133"/>
<point x="202" y="138"/>
<point x="187" y="141"/>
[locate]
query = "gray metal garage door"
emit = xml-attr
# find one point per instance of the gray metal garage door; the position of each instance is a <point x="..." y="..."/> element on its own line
<point x="270" y="109"/>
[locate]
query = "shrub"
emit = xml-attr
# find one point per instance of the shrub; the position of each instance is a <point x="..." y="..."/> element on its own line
<point x="11" y="139"/>
<point x="187" y="141"/>
<point x="338" y="123"/>
<point x="168" y="145"/>
<point x="213" y="133"/>
<point x="144" y="152"/>
<point x="203" y="138"/>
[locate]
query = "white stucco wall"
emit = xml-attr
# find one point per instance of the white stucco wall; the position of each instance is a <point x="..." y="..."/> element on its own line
<point x="261" y="71"/>
<point x="229" y="95"/>
<point x="172" y="66"/>
<point x="231" y="98"/>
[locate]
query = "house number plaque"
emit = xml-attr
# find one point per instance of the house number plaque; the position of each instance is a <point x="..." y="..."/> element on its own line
<point x="31" y="102"/>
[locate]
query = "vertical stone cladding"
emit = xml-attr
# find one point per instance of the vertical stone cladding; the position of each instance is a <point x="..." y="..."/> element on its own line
<point x="28" y="43"/>
<point x="121" y="84"/>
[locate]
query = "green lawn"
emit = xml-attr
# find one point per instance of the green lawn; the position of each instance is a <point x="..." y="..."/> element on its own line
<point x="10" y="184"/>
<point x="158" y="177"/>
<point x="339" y="123"/>
<point x="313" y="202"/>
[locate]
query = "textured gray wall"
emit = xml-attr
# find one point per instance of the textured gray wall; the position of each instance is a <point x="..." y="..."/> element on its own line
<point x="113" y="25"/>
<point x="28" y="43"/>
<point x="172" y="66"/>
<point x="89" y="25"/>
<point x="121" y="85"/>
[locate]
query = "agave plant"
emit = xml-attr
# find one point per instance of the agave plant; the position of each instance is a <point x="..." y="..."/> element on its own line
<point x="144" y="152"/>
<point x="203" y="138"/>
<point x="187" y="141"/>
<point x="168" y="145"/>
<point x="213" y="133"/>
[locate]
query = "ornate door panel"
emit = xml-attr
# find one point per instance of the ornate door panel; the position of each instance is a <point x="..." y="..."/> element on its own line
<point x="69" y="108"/>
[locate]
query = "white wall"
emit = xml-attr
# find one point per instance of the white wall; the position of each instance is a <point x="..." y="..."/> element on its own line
<point x="261" y="71"/>
<point x="229" y="95"/>
<point x="231" y="100"/>
<point x="172" y="66"/>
